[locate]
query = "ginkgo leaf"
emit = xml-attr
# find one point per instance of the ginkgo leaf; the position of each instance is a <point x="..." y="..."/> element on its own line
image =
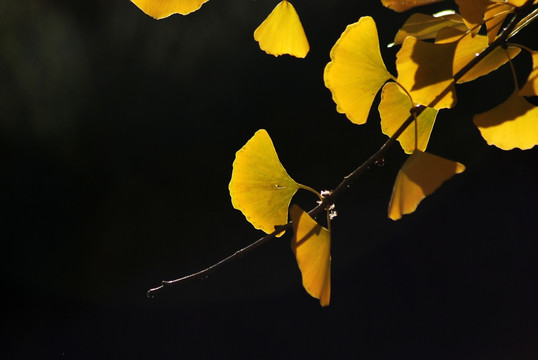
<point x="491" y="62"/>
<point x="356" y="71"/>
<point x="423" y="26"/>
<point x="494" y="17"/>
<point x="425" y="70"/>
<point x="518" y="3"/>
<point x="472" y="12"/>
<point x="531" y="86"/>
<point x="394" y="109"/>
<point x="260" y="186"/>
<point x="421" y="174"/>
<point x="511" y="124"/>
<point x="282" y="32"/>
<point x="311" y="244"/>
<point x="467" y="48"/>
<point x="160" y="9"/>
<point x="403" y="5"/>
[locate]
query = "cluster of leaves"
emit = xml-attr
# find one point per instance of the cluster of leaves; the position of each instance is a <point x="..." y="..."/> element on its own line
<point x="436" y="53"/>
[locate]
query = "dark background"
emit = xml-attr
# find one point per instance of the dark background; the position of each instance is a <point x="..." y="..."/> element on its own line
<point x="117" y="135"/>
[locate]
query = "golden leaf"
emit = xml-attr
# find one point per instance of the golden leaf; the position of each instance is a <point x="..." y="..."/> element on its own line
<point x="518" y="3"/>
<point x="403" y="5"/>
<point x="311" y="244"/>
<point x="282" y="32"/>
<point x="260" y="186"/>
<point x="356" y="71"/>
<point x="160" y="9"/>
<point x="472" y="12"/>
<point x="425" y="70"/>
<point x="468" y="47"/>
<point x="422" y="26"/>
<point x="531" y="86"/>
<point x="394" y="109"/>
<point x="421" y="174"/>
<point x="511" y="124"/>
<point x="494" y="16"/>
<point x="491" y="62"/>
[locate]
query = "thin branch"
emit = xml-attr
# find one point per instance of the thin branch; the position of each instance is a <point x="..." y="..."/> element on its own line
<point x="329" y="200"/>
<point x="205" y="272"/>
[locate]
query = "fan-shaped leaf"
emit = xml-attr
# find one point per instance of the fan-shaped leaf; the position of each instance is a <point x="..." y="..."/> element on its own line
<point x="425" y="70"/>
<point x="531" y="86"/>
<point x="423" y="26"/>
<point x="160" y="9"/>
<point x="468" y="47"/>
<point x="472" y="12"/>
<point x="311" y="244"/>
<point x="511" y="124"/>
<point x="420" y="176"/>
<point x="394" y="109"/>
<point x="491" y="62"/>
<point x="494" y="16"/>
<point x="356" y="71"/>
<point x="403" y="5"/>
<point x="282" y="32"/>
<point x="519" y="3"/>
<point x="260" y="186"/>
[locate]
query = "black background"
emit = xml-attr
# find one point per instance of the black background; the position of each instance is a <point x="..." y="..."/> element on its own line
<point x="117" y="135"/>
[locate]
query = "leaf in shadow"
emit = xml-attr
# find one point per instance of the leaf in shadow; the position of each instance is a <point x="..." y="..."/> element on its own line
<point x="311" y="244"/>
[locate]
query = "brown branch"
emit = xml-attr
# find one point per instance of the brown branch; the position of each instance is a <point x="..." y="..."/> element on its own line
<point x="329" y="200"/>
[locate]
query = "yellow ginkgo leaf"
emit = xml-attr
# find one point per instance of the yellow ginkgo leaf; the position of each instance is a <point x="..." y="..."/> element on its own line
<point x="531" y="86"/>
<point x="494" y="17"/>
<point x="518" y="3"/>
<point x="260" y="186"/>
<point x="467" y="48"/>
<point x="356" y="71"/>
<point x="425" y="70"/>
<point x="472" y="12"/>
<point x="423" y="26"/>
<point x="420" y="176"/>
<point x="491" y="62"/>
<point x="394" y="109"/>
<point x="511" y="124"/>
<point x="311" y="244"/>
<point x="282" y="32"/>
<point x="160" y="9"/>
<point x="403" y="5"/>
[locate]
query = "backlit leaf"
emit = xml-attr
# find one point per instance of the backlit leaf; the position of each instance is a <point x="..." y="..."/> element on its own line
<point x="311" y="244"/>
<point x="403" y="5"/>
<point x="491" y="62"/>
<point x="468" y="47"/>
<point x="519" y="3"/>
<point x="394" y="109"/>
<point x="160" y="9"/>
<point x="531" y="86"/>
<point x="423" y="26"/>
<point x="420" y="176"/>
<point x="425" y="70"/>
<point x="356" y="71"/>
<point x="472" y="12"/>
<point x="494" y="16"/>
<point x="260" y="186"/>
<point x="511" y="124"/>
<point x="282" y="32"/>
